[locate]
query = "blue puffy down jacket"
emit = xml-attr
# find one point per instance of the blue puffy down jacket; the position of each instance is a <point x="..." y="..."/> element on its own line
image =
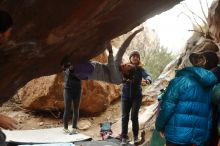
<point x="185" y="115"/>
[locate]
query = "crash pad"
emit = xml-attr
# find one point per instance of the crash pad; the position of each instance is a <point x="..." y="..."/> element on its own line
<point x="43" y="136"/>
<point x="52" y="144"/>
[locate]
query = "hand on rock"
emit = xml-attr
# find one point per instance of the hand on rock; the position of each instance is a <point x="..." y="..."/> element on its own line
<point x="7" y="123"/>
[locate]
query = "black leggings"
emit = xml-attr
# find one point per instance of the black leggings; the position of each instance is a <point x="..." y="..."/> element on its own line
<point x="172" y="144"/>
<point x="71" y="97"/>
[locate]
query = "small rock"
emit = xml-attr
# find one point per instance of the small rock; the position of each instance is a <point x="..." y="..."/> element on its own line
<point x="84" y="124"/>
<point x="41" y="123"/>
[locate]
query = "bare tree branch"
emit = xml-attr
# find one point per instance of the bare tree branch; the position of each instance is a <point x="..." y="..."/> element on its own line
<point x="203" y="12"/>
<point x="192" y="21"/>
<point x="197" y="31"/>
<point x="207" y="4"/>
<point x="193" y="13"/>
<point x="182" y="13"/>
<point x="198" y="24"/>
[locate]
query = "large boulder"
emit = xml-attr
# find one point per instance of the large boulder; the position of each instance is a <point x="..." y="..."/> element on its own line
<point x="46" y="93"/>
<point x="46" y="31"/>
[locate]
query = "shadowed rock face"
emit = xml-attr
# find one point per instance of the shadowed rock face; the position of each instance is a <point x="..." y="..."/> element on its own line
<point x="46" y="31"/>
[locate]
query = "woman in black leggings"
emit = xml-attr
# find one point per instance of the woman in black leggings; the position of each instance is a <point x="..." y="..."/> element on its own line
<point x="72" y="94"/>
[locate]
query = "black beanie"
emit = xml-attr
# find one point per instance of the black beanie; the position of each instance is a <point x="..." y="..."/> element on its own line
<point x="134" y="53"/>
<point x="207" y="60"/>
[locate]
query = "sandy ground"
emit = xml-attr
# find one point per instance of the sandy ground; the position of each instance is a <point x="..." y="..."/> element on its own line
<point x="50" y="119"/>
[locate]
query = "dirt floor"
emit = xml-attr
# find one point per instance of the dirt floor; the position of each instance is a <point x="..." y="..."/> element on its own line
<point x="50" y="119"/>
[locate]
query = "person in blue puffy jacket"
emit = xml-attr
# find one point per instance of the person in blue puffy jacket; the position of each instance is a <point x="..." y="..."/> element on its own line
<point x="210" y="61"/>
<point x="185" y="117"/>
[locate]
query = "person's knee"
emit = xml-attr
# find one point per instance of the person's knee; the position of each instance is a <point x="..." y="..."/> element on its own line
<point x="134" y="118"/>
<point x="76" y="105"/>
<point x="125" y="117"/>
<point x="67" y="108"/>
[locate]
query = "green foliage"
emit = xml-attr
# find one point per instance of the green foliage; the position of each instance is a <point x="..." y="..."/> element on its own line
<point x="155" y="60"/>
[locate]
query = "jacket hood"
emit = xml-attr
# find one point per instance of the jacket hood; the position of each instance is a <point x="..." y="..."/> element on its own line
<point x="203" y="76"/>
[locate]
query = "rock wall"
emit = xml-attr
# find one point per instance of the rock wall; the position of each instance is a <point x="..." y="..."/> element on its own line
<point x="214" y="20"/>
<point x="45" y="31"/>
